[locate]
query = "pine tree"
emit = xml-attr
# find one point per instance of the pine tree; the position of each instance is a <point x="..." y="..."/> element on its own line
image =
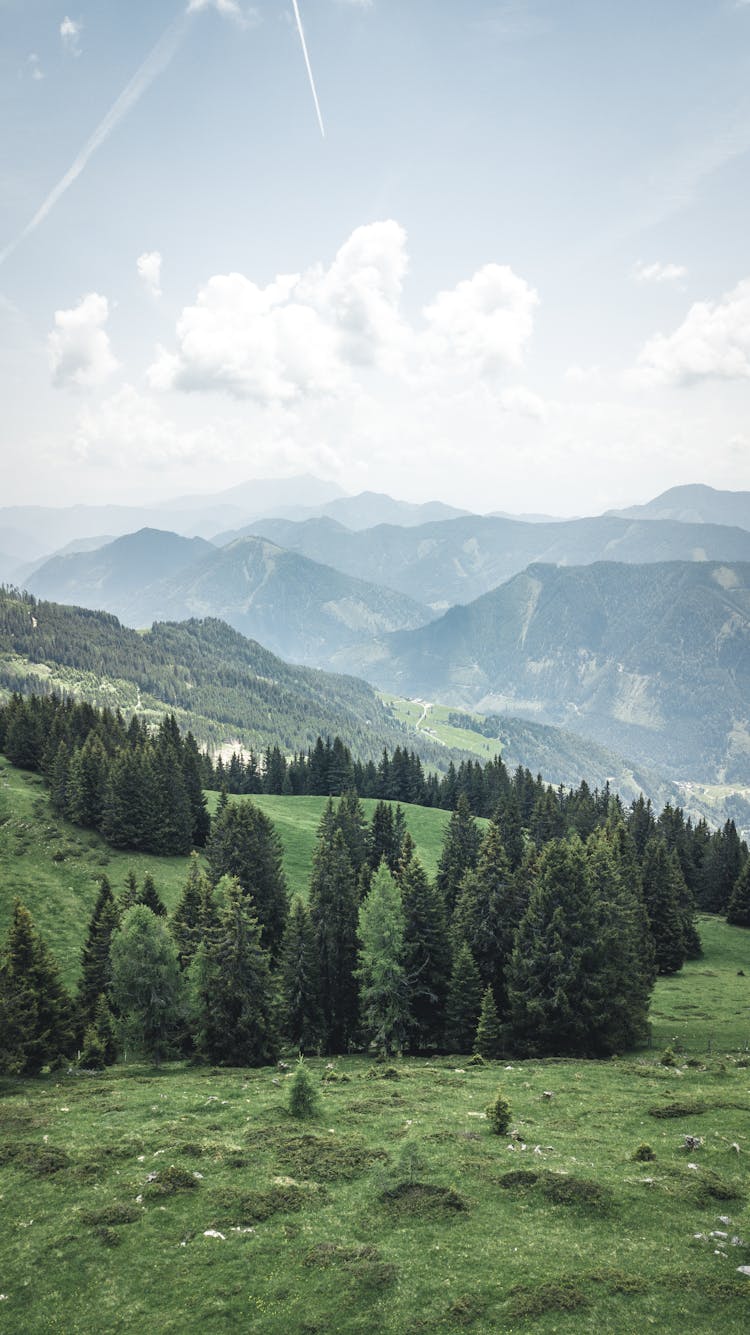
<point x="186" y="920"/>
<point x="384" y="994"/>
<point x="464" y="1001"/>
<point x="488" y="1040"/>
<point x="87" y="778"/>
<point x="235" y="997"/>
<point x="626" y="974"/>
<point x="427" y="956"/>
<point x="95" y="963"/>
<point x="334" y="903"/>
<point x="130" y="805"/>
<point x="300" y="981"/>
<point x="738" y="912"/>
<point x="663" y="887"/>
<point x="149" y="896"/>
<point x="147" y="986"/>
<point x="192" y="773"/>
<point x="31" y="978"/>
<point x="487" y="913"/>
<point x="459" y="852"/>
<point x="244" y="844"/>
<point x="304" y="1100"/>
<point x="129" y="895"/>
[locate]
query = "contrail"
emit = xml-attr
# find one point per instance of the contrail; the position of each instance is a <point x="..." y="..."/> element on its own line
<point x="300" y="30"/>
<point x="156" y="61"/>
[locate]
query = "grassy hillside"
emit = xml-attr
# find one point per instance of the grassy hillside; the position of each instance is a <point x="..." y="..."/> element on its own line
<point x="394" y="1210"/>
<point x="54" y="866"/>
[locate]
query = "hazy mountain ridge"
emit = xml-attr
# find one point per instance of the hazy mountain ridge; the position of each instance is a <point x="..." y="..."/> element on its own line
<point x="458" y="560"/>
<point x="695" y="503"/>
<point x="104" y="577"/>
<point x="652" y="661"/>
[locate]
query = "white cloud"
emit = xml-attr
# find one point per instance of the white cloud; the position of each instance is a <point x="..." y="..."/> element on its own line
<point x="311" y="334"/>
<point x="485" y="322"/>
<point x="149" y="271"/>
<point x="126" y="428"/>
<point x="70" y="33"/>
<point x="230" y="9"/>
<point x="35" y="69"/>
<point x="79" y="348"/>
<point x="713" y="342"/>
<point x="658" y="273"/>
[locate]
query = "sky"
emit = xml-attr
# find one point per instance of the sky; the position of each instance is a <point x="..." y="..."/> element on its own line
<point x="493" y="253"/>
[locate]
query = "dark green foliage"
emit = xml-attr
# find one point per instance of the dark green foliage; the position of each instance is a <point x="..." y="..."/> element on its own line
<point x="186" y="921"/>
<point x="643" y="1154"/>
<point x="95" y="965"/>
<point x="112" y="1215"/>
<point x="302" y="1017"/>
<point x="244" y="844"/>
<point x="487" y="912"/>
<point x="171" y="1180"/>
<point x="426" y="958"/>
<point x="304" y="1100"/>
<point x="147" y="986"/>
<point x="738" y="912"/>
<point x="488" y="1041"/>
<point x="422" y="1198"/>
<point x="460" y="852"/>
<point x="498" y="1114"/>
<point x="384" y="993"/>
<point x="558" y="1295"/>
<point x="663" y="888"/>
<point x="33" y="1001"/>
<point x="235" y="999"/>
<point x="464" y="1001"/>
<point x="150" y="898"/>
<point x="334" y="906"/>
<point x="686" y="1108"/>
<point x="327" y="1158"/>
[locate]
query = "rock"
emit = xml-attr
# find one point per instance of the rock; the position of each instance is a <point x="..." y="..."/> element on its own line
<point x="214" y="1233"/>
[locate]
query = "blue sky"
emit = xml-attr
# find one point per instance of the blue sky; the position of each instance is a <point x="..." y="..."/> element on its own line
<point x="514" y="274"/>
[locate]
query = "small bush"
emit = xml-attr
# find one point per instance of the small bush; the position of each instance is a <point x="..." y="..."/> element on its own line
<point x="559" y="1295"/>
<point x="39" y="1160"/>
<point x="112" y="1215"/>
<point x="363" y="1262"/>
<point x="241" y="1208"/>
<point x="668" y="1057"/>
<point x="498" y="1114"/>
<point x="170" y="1181"/>
<point x="422" y="1198"/>
<point x="476" y="1060"/>
<point x="383" y="1073"/>
<point x="686" y="1109"/>
<point x="644" y="1154"/>
<point x="303" y="1096"/>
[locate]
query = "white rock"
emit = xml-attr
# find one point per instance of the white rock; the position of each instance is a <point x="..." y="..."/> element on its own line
<point x="214" y="1233"/>
<point x="743" y="1269"/>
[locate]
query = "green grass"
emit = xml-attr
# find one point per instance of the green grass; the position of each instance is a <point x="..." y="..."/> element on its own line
<point x="434" y="723"/>
<point x="322" y="1247"/>
<point x="706" y="1006"/>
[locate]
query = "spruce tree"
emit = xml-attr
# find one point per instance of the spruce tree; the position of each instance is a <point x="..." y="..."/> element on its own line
<point x="185" y="923"/>
<point x="663" y="886"/>
<point x="459" y="852"/>
<point x="87" y="779"/>
<point x="243" y="843"/>
<point x="300" y="981"/>
<point x="304" y="1099"/>
<point x="626" y="968"/>
<point x="464" y="1001"/>
<point x="95" y="963"/>
<point x="150" y="896"/>
<point x="427" y="956"/>
<point x="487" y="912"/>
<point x="31" y="978"/>
<point x="147" y="986"/>
<point x="235" y="998"/>
<point x="738" y="912"/>
<point x="384" y="994"/>
<point x="334" y="903"/>
<point x="488" y="1040"/>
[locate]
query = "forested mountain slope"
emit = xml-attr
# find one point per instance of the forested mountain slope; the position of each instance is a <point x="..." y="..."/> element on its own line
<point x="457" y="560"/>
<point x="651" y="660"/>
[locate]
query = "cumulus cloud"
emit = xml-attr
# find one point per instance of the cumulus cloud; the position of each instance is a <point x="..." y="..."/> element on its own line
<point x="230" y="9"/>
<point x="79" y="348"/>
<point x="713" y="342"/>
<point x="149" y="271"/>
<point x="658" y="273"/>
<point x="70" y="34"/>
<point x="126" y="428"/>
<point x="312" y="334"/>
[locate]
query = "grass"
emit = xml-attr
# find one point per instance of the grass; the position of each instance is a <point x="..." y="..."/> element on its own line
<point x="706" y="1006"/>
<point x="433" y="722"/>
<point x="54" y="866"/>
<point x="319" y="1230"/>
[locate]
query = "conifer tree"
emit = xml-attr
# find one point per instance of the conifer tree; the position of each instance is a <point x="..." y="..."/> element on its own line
<point x="487" y="912"/>
<point x="622" y="987"/>
<point x="738" y="912"/>
<point x="382" y="841"/>
<point x="235" y="998"/>
<point x="95" y="963"/>
<point x="244" y="843"/>
<point x="192" y="772"/>
<point x="304" y="1099"/>
<point x="488" y="1040"/>
<point x="427" y="956"/>
<point x="147" y="986"/>
<point x="150" y="896"/>
<point x="663" y="886"/>
<point x="464" y="1001"/>
<point x="459" y="852"/>
<point x="384" y="994"/>
<point x="351" y="820"/>
<point x="186" y="920"/>
<point x="31" y="979"/>
<point x="334" y="903"/>
<point x="300" y="981"/>
<point x="129" y="807"/>
<point x="129" y="895"/>
<point x="87" y="777"/>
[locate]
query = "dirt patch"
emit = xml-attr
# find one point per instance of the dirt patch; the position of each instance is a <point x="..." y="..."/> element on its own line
<point x="423" y="1198"/>
<point x="326" y="1158"/>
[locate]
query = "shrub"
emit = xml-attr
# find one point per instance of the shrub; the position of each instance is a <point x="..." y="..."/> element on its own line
<point x="644" y="1154"/>
<point x="668" y="1057"/>
<point x="498" y="1114"/>
<point x="303" y="1097"/>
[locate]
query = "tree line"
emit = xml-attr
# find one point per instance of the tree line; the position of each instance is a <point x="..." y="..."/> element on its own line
<point x="533" y="950"/>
